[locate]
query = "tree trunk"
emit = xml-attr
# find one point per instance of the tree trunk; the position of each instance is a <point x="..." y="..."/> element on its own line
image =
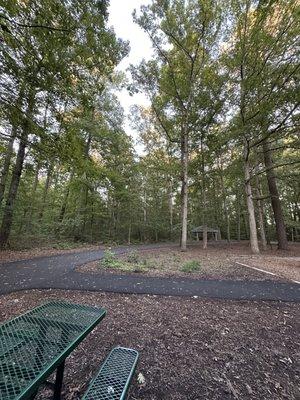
<point x="65" y="200"/>
<point x="15" y="180"/>
<point x="204" y="237"/>
<point x="261" y="225"/>
<point x="129" y="234"/>
<point x="170" y="202"/>
<point x="260" y="211"/>
<point x="184" y="189"/>
<point x="275" y="200"/>
<point x="7" y="160"/>
<point x="238" y="217"/>
<point x="250" y="207"/>
<point x="45" y="192"/>
<point x="33" y="198"/>
<point x="226" y="214"/>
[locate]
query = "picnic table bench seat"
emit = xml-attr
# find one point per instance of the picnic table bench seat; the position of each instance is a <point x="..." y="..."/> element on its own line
<point x="114" y="376"/>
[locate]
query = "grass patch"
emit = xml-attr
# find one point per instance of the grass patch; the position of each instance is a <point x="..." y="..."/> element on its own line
<point x="132" y="262"/>
<point x="191" y="266"/>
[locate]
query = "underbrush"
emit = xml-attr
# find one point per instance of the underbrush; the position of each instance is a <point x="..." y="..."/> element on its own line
<point x="135" y="262"/>
<point x="131" y="263"/>
<point x="191" y="266"/>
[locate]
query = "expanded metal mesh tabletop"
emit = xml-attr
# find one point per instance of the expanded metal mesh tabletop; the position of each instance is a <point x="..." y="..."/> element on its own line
<point x="35" y="343"/>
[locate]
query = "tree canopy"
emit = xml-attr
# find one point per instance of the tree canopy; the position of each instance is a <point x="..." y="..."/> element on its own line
<point x="220" y="137"/>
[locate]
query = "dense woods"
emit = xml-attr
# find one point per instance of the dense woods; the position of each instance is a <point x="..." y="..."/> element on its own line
<point x="221" y="137"/>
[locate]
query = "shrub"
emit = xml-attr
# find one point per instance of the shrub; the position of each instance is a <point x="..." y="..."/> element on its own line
<point x="109" y="260"/>
<point x="191" y="266"/>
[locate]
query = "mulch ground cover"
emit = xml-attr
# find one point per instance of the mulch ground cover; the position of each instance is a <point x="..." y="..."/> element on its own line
<point x="217" y="262"/>
<point x="189" y="348"/>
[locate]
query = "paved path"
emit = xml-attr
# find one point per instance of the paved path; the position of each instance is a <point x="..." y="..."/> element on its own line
<point x="58" y="272"/>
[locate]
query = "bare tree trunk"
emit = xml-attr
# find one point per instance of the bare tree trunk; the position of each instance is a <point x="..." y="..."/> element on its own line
<point x="261" y="225"/>
<point x="15" y="180"/>
<point x="83" y="201"/>
<point x="250" y="207"/>
<point x="145" y="207"/>
<point x="184" y="189"/>
<point x="170" y="202"/>
<point x="238" y="217"/>
<point x="7" y="160"/>
<point x="65" y="200"/>
<point x="33" y="196"/>
<point x="46" y="190"/>
<point x="204" y="237"/>
<point x="129" y="234"/>
<point x="260" y="211"/>
<point x="275" y="200"/>
<point x="225" y="206"/>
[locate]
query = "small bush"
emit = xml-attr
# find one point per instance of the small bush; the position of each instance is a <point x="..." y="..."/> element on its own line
<point x="191" y="266"/>
<point x="130" y="264"/>
<point x="109" y="260"/>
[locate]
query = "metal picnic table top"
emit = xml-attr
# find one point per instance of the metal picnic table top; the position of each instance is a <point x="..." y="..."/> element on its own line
<point x="34" y="344"/>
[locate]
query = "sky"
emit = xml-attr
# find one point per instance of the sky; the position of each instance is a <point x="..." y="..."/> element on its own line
<point x="120" y="17"/>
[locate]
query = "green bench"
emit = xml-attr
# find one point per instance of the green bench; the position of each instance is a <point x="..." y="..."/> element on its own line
<point x="113" y="379"/>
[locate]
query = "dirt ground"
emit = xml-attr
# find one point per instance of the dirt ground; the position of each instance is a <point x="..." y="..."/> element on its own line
<point x="190" y="349"/>
<point x="286" y="267"/>
<point x="217" y="262"/>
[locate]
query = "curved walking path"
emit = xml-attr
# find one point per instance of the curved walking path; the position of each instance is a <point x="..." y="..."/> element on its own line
<point x="58" y="272"/>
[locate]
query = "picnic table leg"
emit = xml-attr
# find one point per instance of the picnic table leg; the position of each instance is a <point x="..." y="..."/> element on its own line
<point x="58" y="381"/>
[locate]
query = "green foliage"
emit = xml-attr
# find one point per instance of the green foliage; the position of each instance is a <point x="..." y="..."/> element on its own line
<point x="130" y="264"/>
<point x="223" y="74"/>
<point x="110" y="260"/>
<point x="191" y="266"/>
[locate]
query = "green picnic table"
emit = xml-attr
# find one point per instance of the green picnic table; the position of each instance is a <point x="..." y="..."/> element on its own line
<point x="35" y="344"/>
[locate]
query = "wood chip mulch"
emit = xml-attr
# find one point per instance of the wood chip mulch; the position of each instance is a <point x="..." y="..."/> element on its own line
<point x="190" y="349"/>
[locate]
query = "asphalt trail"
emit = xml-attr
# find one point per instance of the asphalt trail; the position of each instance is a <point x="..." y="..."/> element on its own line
<point x="58" y="272"/>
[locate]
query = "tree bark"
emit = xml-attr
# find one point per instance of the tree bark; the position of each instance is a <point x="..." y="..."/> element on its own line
<point x="170" y="203"/>
<point x="33" y="198"/>
<point x="129" y="234"/>
<point x="7" y="160"/>
<point x="250" y="206"/>
<point x="65" y="200"/>
<point x="226" y="214"/>
<point x="15" y="180"/>
<point x="261" y="218"/>
<point x="45" y="192"/>
<point x="275" y="200"/>
<point x="204" y="237"/>
<point x="238" y="201"/>
<point x="184" y="189"/>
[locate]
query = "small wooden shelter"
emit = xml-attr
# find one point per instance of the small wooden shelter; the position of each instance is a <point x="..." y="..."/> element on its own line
<point x="202" y="229"/>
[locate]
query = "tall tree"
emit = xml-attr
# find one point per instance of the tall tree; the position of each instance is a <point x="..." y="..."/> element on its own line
<point x="183" y="35"/>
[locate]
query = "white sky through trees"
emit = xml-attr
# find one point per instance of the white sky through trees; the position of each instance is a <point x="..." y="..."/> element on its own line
<point x="120" y="17"/>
